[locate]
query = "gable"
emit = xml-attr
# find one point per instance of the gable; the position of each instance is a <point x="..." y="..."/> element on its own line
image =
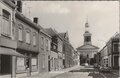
<point x="87" y="47"/>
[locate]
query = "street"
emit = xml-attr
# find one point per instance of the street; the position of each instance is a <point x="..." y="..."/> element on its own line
<point x="85" y="72"/>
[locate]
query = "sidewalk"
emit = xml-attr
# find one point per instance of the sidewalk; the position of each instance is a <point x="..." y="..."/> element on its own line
<point x="116" y="72"/>
<point x="52" y="73"/>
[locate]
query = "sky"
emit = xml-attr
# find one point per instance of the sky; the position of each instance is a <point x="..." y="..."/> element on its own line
<point x="71" y="16"/>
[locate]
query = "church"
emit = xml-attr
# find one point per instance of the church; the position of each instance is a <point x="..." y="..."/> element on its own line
<point x="87" y="50"/>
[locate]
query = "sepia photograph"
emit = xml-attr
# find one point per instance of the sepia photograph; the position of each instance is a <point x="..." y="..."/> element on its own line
<point x="59" y="39"/>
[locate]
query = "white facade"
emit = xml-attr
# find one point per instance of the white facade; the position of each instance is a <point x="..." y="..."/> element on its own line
<point x="4" y="24"/>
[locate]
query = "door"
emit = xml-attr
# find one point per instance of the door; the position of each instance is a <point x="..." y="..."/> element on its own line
<point x="116" y="62"/>
<point x="6" y="64"/>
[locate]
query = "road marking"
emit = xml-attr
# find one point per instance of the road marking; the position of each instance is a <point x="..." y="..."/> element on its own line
<point x="103" y="75"/>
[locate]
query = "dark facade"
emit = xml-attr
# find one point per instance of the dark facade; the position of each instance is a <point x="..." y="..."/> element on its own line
<point x="68" y="51"/>
<point x="113" y="51"/>
<point x="56" y="49"/>
<point x="109" y="55"/>
<point x="44" y="51"/>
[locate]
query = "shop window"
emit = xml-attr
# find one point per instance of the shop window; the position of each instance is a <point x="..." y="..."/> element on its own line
<point x="20" y="64"/>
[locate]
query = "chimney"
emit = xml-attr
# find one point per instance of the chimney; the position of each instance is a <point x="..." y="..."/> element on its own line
<point x="19" y="5"/>
<point x="35" y="20"/>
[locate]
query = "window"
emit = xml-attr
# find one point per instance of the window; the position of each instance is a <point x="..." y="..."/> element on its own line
<point x="115" y="47"/>
<point x="88" y="38"/>
<point x="42" y="42"/>
<point x="28" y="37"/>
<point x="43" y="65"/>
<point x="47" y="45"/>
<point x="6" y="27"/>
<point x="34" y="61"/>
<point x="34" y="39"/>
<point x="20" y="34"/>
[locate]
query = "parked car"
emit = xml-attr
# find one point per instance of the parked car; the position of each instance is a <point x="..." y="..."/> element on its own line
<point x="104" y="69"/>
<point x="84" y="64"/>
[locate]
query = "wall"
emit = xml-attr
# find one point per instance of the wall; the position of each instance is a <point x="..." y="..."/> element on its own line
<point x="22" y="44"/>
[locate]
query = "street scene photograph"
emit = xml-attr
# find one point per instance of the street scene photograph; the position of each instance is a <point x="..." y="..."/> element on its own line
<point x="59" y="39"/>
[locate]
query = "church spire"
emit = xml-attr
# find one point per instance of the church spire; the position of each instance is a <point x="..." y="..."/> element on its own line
<point x="86" y="26"/>
<point x="87" y="34"/>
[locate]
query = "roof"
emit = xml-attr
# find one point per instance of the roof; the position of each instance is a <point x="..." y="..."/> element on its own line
<point x="50" y="31"/>
<point x="87" y="46"/>
<point x="116" y="36"/>
<point x="26" y="20"/>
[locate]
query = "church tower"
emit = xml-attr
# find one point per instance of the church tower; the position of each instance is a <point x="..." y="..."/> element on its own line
<point x="87" y="50"/>
<point x="87" y="35"/>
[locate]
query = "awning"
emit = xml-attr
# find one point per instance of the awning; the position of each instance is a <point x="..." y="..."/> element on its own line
<point x="7" y="51"/>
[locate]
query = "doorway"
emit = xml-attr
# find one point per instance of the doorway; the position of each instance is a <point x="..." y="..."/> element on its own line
<point x="5" y="64"/>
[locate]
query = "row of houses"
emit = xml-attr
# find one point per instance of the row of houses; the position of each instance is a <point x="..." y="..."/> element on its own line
<point x="108" y="56"/>
<point x="27" y="47"/>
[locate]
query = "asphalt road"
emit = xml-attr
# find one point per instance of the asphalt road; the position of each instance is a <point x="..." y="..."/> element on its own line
<point x="85" y="72"/>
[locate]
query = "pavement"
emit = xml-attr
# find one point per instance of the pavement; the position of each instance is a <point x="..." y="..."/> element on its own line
<point x="111" y="74"/>
<point x="41" y="75"/>
<point x="116" y="72"/>
<point x="82" y="72"/>
<point x="50" y="74"/>
<point x="73" y="72"/>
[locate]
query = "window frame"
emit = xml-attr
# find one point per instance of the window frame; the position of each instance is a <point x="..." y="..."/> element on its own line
<point x="21" y="28"/>
<point x="114" y="47"/>
<point x="42" y="42"/>
<point x="47" y="45"/>
<point x="6" y="29"/>
<point x="34" y="39"/>
<point x="29" y="39"/>
<point x="43" y="57"/>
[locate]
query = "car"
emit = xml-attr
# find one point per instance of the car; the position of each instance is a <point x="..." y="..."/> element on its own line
<point x="84" y="64"/>
<point x="105" y="69"/>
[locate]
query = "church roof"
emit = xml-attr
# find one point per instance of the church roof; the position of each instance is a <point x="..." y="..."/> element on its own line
<point x="87" y="46"/>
